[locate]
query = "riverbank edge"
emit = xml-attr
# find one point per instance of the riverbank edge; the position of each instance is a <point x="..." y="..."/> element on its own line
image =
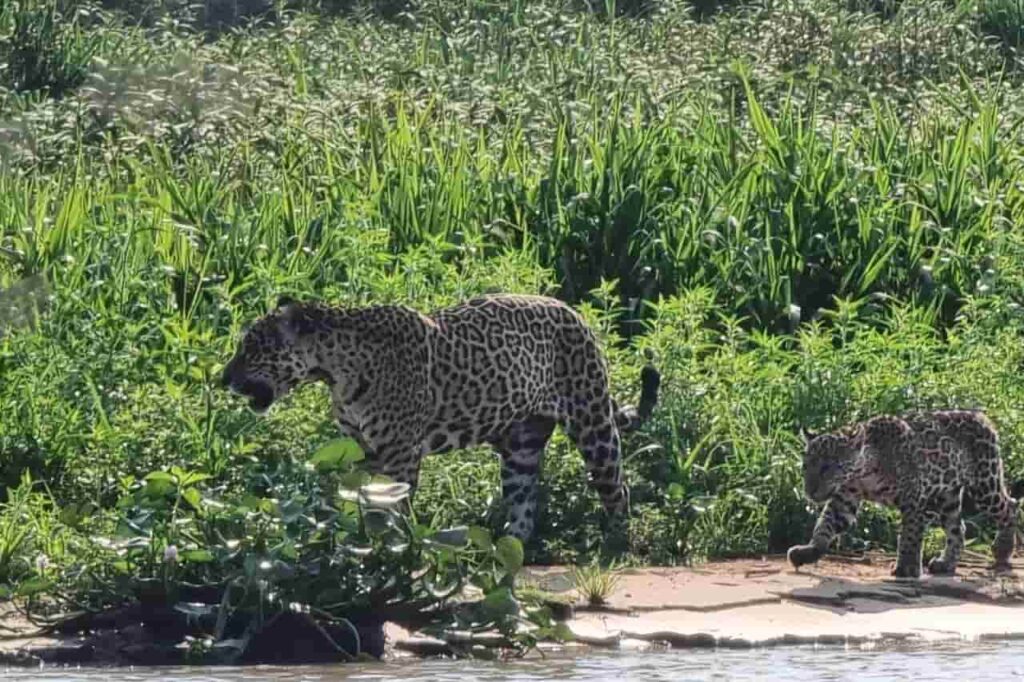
<point x="737" y="603"/>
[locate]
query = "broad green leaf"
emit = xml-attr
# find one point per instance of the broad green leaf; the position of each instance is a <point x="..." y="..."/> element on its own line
<point x="384" y="495"/>
<point x="291" y="510"/>
<point x="500" y="602"/>
<point x="509" y="551"/>
<point x="354" y="480"/>
<point x="197" y="556"/>
<point x="193" y="497"/>
<point x="452" y="537"/>
<point x="337" y="453"/>
<point x="376" y="521"/>
<point x="481" y="537"/>
<point x="357" y="550"/>
<point x="34" y="586"/>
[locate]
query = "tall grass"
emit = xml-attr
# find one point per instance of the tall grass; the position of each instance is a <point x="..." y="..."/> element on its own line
<point x="807" y="208"/>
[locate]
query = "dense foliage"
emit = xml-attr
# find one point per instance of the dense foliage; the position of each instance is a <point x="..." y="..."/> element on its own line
<point x="809" y="209"/>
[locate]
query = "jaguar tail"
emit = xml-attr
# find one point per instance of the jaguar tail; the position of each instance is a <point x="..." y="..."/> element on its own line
<point x="628" y="417"/>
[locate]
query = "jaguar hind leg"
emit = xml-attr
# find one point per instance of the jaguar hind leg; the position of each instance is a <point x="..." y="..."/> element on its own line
<point x="598" y="440"/>
<point x="1002" y="509"/>
<point x="909" y="543"/>
<point x="952" y="523"/>
<point x="991" y="497"/>
<point x="521" y="449"/>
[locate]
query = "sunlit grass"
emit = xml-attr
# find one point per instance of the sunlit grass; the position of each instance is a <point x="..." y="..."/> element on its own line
<point x="811" y="205"/>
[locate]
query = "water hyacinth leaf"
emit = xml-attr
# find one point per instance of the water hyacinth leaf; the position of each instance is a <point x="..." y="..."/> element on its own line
<point x="358" y="550"/>
<point x="377" y="521"/>
<point x="383" y="501"/>
<point x="387" y="489"/>
<point x="500" y="602"/>
<point x="349" y="495"/>
<point x="438" y="591"/>
<point x="34" y="586"/>
<point x="354" y="480"/>
<point x="387" y="495"/>
<point x="509" y="552"/>
<point x="197" y="556"/>
<point x="193" y="497"/>
<point x="452" y="537"/>
<point x="291" y="510"/>
<point x="348" y="519"/>
<point x="195" y="611"/>
<point x="397" y="546"/>
<point x="481" y="537"/>
<point x="337" y="453"/>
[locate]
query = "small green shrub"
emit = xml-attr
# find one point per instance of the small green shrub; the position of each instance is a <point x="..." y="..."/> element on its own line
<point x="594" y="583"/>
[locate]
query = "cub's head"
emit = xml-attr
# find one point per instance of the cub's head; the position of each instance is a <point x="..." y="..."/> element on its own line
<point x="826" y="459"/>
<point x="274" y="355"/>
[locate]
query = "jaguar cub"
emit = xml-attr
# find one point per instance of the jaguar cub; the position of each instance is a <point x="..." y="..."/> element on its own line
<point x="921" y="463"/>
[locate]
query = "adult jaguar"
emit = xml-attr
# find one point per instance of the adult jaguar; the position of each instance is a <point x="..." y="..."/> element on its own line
<point x="498" y="369"/>
<point x="920" y="462"/>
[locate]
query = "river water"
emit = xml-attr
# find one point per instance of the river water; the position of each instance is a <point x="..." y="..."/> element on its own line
<point x="963" y="662"/>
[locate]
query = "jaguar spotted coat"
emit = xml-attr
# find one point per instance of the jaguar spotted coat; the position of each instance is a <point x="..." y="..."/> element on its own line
<point x="922" y="463"/>
<point x="500" y="369"/>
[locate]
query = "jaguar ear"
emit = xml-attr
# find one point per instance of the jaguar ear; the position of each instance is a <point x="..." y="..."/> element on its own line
<point x="285" y="301"/>
<point x="808" y="436"/>
<point x="293" y="317"/>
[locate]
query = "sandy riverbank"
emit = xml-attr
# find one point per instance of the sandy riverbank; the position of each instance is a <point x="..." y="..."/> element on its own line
<point x="764" y="602"/>
<point x="739" y="603"/>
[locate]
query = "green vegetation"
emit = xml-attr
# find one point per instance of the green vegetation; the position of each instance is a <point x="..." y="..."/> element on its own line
<point x="808" y="209"/>
<point x="594" y="584"/>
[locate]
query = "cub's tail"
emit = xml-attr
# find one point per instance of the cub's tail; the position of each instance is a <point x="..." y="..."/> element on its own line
<point x="629" y="418"/>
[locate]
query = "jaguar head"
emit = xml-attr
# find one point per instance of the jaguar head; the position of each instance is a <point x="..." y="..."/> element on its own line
<point x="826" y="459"/>
<point x="274" y="356"/>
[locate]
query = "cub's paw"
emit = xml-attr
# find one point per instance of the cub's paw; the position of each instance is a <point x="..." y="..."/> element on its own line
<point x="800" y="555"/>
<point x="939" y="567"/>
<point x="905" y="571"/>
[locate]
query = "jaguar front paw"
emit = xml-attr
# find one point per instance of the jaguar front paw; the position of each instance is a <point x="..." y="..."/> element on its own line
<point x="906" y="571"/>
<point x="938" y="566"/>
<point x="799" y="555"/>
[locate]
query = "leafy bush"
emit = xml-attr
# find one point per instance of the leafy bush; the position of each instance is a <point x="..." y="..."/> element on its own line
<point x="317" y="535"/>
<point x="807" y="209"/>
